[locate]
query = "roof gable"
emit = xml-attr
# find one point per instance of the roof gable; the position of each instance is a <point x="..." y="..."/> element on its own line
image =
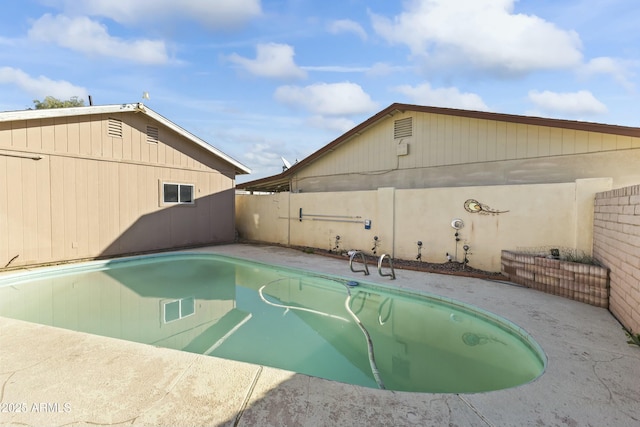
<point x="122" y="108"/>
<point x="280" y="182"/>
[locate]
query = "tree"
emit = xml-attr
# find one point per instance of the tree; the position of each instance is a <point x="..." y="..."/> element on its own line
<point x="52" y="102"/>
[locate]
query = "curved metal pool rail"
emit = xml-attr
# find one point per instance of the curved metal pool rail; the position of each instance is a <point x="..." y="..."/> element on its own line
<point x="364" y="262"/>
<point x="393" y="273"/>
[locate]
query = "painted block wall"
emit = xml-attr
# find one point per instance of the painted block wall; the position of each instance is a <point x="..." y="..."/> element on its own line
<point x="514" y="216"/>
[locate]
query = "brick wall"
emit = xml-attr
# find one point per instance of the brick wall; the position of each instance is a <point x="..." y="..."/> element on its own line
<point x="577" y="281"/>
<point x="616" y="244"/>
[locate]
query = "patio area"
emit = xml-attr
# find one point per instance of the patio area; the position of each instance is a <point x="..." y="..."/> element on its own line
<point x="59" y="377"/>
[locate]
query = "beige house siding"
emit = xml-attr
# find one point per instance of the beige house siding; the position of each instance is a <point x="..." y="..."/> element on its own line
<point x="89" y="194"/>
<point x="447" y="151"/>
<point x="617" y="247"/>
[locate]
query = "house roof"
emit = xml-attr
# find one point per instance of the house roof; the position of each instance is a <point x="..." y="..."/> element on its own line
<point x="280" y="182"/>
<point x="122" y="108"/>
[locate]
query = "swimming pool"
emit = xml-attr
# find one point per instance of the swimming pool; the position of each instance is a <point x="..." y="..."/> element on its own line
<point x="368" y="335"/>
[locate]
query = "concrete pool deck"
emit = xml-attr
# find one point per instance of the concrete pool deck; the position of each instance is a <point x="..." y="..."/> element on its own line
<point x="60" y="377"/>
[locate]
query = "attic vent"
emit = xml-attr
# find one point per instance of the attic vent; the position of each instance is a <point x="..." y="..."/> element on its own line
<point x="403" y="128"/>
<point x="152" y="134"/>
<point x="114" y="128"/>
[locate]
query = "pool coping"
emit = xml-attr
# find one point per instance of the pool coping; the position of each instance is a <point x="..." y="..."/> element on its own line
<point x="65" y="377"/>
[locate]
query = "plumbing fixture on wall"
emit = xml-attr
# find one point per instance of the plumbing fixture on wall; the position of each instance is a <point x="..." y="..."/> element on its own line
<point x="376" y="242"/>
<point x="456" y="224"/>
<point x="332" y="218"/>
<point x="419" y="256"/>
<point x="336" y="245"/>
<point x="466" y="252"/>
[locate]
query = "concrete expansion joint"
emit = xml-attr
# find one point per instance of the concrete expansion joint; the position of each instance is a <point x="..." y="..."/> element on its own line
<point x="152" y="406"/>
<point x="475" y="411"/>
<point x="4" y="384"/>
<point x="247" y="397"/>
<point x="13" y="372"/>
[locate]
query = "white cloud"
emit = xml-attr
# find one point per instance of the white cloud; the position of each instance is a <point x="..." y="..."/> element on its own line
<point x="347" y="26"/>
<point x="378" y="69"/>
<point x="89" y="37"/>
<point x="263" y="158"/>
<point x="335" y="68"/>
<point x="272" y="60"/>
<point x="213" y="14"/>
<point x="449" y="97"/>
<point x="483" y="33"/>
<point x="41" y="86"/>
<point x="609" y="66"/>
<point x="574" y="104"/>
<point x="327" y="99"/>
<point x="337" y="124"/>
<point x="262" y="154"/>
<point x="381" y="69"/>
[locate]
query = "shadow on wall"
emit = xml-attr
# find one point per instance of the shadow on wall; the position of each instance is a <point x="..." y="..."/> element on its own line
<point x="210" y="220"/>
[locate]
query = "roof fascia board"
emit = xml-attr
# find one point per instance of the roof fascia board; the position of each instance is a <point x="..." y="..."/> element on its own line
<point x="66" y="112"/>
<point x="350" y="134"/>
<point x="530" y="120"/>
<point x="239" y="166"/>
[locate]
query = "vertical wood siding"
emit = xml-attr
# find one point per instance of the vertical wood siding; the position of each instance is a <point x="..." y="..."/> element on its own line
<point x="93" y="195"/>
<point x="440" y="140"/>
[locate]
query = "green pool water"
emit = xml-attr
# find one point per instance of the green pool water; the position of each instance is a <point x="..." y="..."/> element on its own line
<point x="301" y="321"/>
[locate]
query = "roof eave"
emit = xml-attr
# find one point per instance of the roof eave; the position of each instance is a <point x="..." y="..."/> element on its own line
<point x="239" y="167"/>
<point x="272" y="184"/>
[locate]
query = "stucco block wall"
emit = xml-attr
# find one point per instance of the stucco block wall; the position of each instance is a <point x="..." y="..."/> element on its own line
<point x="616" y="244"/>
<point x="263" y="217"/>
<point x="530" y="216"/>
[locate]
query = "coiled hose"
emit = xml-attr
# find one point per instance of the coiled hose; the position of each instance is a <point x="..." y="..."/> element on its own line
<point x="370" y="352"/>
<point x="372" y="358"/>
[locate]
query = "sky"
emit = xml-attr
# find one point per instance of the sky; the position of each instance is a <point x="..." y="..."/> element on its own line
<point x="263" y="80"/>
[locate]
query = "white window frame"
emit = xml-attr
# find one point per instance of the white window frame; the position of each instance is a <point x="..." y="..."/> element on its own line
<point x="164" y="202"/>
<point x="180" y="302"/>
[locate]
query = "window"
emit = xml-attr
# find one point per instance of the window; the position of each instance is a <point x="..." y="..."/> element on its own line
<point x="177" y="193"/>
<point x="178" y="309"/>
<point x="403" y="128"/>
<point x="114" y="128"/>
<point x="152" y="134"/>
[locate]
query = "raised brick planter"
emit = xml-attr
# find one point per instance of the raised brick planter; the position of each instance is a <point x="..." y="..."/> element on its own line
<point x="581" y="282"/>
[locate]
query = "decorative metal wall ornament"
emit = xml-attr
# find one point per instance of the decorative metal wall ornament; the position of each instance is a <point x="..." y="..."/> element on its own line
<point x="475" y="206"/>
